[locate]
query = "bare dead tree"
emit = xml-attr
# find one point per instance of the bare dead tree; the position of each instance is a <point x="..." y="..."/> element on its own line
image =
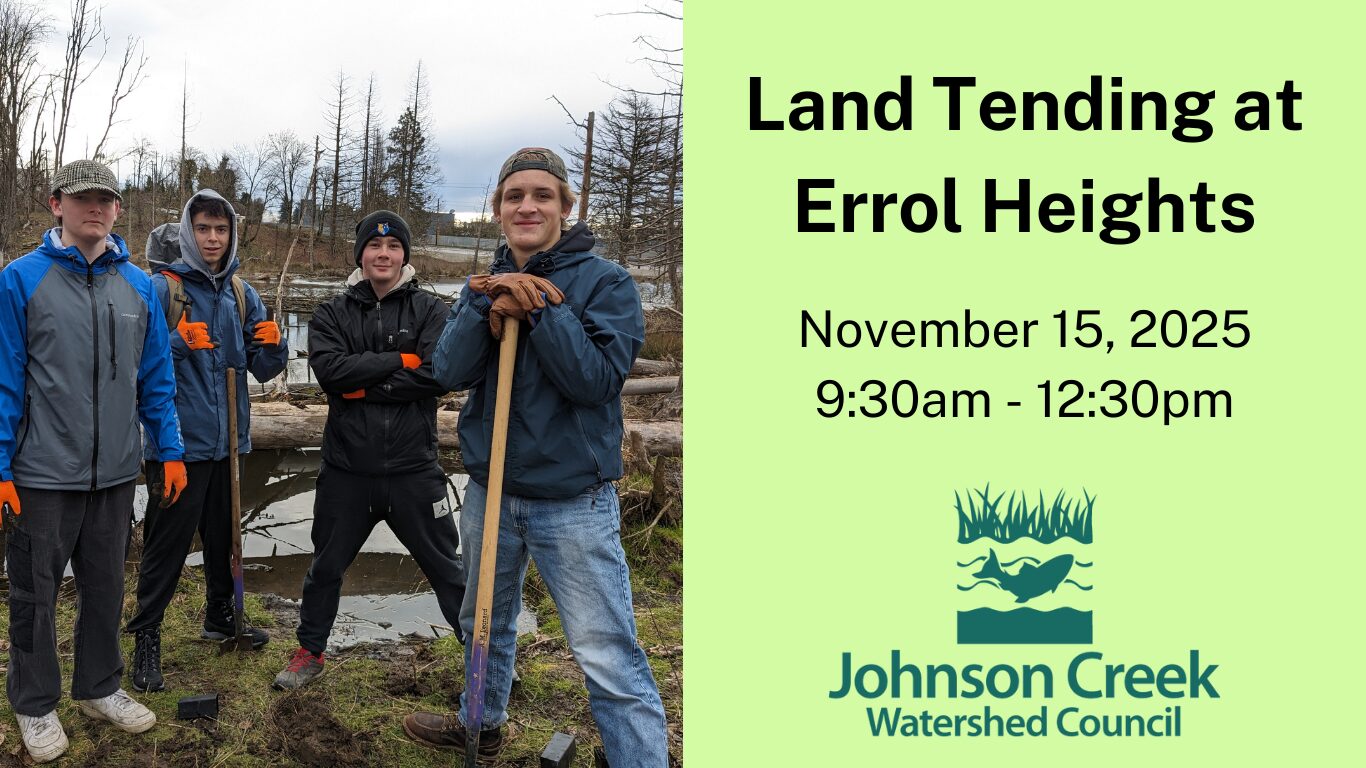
<point x="288" y="154"/>
<point x="411" y="156"/>
<point x="184" y="128"/>
<point x="129" y="78"/>
<point x="22" y="30"/>
<point x="338" y="111"/>
<point x="479" y="232"/>
<point x="313" y="196"/>
<point x="87" y="27"/>
<point x="367" y="168"/>
<point x="253" y="173"/>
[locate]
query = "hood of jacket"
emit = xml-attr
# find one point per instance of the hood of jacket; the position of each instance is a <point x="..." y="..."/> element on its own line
<point x="173" y="245"/>
<point x="575" y="245"/>
<point x="70" y="257"/>
<point x="358" y="288"/>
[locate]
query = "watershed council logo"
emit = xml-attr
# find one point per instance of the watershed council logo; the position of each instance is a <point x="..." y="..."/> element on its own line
<point x="1023" y="566"/>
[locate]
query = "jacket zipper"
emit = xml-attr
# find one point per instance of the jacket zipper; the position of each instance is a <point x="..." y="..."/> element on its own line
<point x="28" y="425"/>
<point x="379" y="324"/>
<point x="113" y="346"/>
<point x="94" y="374"/>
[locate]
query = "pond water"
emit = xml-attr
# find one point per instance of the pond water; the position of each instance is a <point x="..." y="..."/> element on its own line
<point x="384" y="594"/>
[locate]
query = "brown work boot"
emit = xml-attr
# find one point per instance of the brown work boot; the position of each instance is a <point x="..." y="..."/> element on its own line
<point x="447" y="732"/>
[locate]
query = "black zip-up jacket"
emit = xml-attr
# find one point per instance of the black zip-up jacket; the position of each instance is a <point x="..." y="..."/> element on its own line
<point x="354" y="342"/>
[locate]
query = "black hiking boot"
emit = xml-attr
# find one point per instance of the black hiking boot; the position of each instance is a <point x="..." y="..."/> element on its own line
<point x="147" y="661"/>
<point x="219" y="625"/>
<point x="447" y="732"/>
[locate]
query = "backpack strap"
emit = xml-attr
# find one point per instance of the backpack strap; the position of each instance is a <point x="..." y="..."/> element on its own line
<point x="175" y="298"/>
<point x="239" y="291"/>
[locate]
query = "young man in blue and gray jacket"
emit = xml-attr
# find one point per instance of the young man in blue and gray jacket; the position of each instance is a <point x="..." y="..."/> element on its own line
<point x="563" y="451"/>
<point x="219" y="324"/>
<point x="84" y="356"/>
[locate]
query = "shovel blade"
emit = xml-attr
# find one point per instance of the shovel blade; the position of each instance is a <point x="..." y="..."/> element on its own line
<point x="238" y="643"/>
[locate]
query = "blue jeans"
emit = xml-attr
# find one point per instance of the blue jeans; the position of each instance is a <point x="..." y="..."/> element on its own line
<point x="576" y="544"/>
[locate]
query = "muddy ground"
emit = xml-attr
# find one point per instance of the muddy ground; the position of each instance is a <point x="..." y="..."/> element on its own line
<point x="352" y="714"/>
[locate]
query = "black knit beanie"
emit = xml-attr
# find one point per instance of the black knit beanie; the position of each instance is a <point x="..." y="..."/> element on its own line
<point x="380" y="224"/>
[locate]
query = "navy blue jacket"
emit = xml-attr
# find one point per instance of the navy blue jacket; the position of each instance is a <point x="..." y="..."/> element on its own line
<point x="564" y="428"/>
<point x="201" y="388"/>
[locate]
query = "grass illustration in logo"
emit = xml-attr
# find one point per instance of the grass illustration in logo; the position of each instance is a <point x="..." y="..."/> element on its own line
<point x="1045" y="523"/>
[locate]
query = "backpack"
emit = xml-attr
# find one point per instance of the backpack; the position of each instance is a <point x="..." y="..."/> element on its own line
<point x="176" y="299"/>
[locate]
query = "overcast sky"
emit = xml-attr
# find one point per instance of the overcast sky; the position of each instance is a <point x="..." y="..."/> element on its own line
<point x="257" y="67"/>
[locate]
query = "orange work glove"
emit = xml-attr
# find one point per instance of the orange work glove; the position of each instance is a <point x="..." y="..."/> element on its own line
<point x="410" y="360"/>
<point x="9" y="496"/>
<point x="196" y="335"/>
<point x="357" y="395"/>
<point x="530" y="291"/>
<point x="267" y="333"/>
<point x="174" y="482"/>
<point x="505" y="308"/>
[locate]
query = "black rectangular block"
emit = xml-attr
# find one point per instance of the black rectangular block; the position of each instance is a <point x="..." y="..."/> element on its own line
<point x="559" y="752"/>
<point x="191" y="707"/>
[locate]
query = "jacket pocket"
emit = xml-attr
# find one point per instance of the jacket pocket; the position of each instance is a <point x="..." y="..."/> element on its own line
<point x="19" y="567"/>
<point x="587" y="444"/>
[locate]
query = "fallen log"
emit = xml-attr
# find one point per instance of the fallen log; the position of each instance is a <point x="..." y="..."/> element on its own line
<point x="643" y="367"/>
<point x="283" y="425"/>
<point x="655" y="385"/>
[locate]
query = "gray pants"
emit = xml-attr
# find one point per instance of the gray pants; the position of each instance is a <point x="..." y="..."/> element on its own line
<point x="89" y="529"/>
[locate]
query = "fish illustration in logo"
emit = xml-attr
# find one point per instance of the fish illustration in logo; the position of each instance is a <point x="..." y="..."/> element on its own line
<point x="1031" y="580"/>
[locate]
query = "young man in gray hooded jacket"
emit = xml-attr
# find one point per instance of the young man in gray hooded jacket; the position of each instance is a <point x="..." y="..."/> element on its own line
<point x="220" y="324"/>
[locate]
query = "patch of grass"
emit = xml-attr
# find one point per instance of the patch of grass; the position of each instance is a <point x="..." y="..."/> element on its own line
<point x="1046" y="523"/>
<point x="367" y="689"/>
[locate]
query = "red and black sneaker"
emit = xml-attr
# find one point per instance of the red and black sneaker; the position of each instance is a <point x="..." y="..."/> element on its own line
<point x="300" y="671"/>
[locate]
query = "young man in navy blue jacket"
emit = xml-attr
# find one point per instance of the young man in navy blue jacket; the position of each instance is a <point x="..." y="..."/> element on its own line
<point x="559" y="505"/>
<point x="209" y="335"/>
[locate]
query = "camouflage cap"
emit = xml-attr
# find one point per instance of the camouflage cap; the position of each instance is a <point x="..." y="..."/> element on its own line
<point x="83" y="176"/>
<point x="534" y="159"/>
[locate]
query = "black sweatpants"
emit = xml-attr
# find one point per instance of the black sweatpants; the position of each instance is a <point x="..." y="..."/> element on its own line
<point x="346" y="507"/>
<point x="167" y="532"/>
<point x="89" y="529"/>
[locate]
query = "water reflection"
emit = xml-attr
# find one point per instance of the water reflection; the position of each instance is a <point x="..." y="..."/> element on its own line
<point x="384" y="594"/>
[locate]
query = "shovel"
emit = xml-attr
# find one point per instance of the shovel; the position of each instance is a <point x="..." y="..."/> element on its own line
<point x="488" y="554"/>
<point x="241" y="641"/>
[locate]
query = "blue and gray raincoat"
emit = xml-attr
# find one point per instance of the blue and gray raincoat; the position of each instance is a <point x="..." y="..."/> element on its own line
<point x="84" y="354"/>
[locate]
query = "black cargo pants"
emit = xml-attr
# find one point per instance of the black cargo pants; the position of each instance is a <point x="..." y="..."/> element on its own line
<point x="89" y="529"/>
<point x="346" y="507"/>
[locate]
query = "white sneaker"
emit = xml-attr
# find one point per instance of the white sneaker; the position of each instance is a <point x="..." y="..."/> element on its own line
<point x="120" y="709"/>
<point x="43" y="736"/>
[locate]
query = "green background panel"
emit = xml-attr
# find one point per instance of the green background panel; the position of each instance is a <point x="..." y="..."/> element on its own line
<point x="809" y="537"/>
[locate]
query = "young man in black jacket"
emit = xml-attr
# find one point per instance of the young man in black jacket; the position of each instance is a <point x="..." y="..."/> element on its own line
<point x="370" y="350"/>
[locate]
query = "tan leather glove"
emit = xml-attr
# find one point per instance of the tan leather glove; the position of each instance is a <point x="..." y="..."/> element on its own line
<point x="531" y="292"/>
<point x="505" y="309"/>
